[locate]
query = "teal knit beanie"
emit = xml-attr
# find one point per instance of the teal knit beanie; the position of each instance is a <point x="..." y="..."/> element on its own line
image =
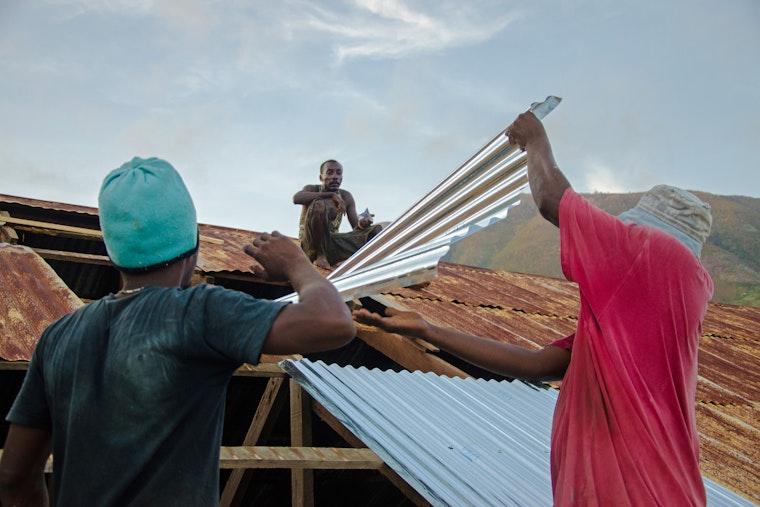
<point x="146" y="215"/>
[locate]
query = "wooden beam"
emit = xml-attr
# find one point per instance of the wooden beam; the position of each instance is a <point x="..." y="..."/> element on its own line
<point x="301" y="480"/>
<point x="7" y="234"/>
<point x="260" y="370"/>
<point x="354" y="441"/>
<point x="299" y="457"/>
<point x="288" y="457"/>
<point x="406" y="352"/>
<point x="270" y="402"/>
<point x="79" y="231"/>
<point x="76" y="231"/>
<point x="60" y="255"/>
<point x="14" y="365"/>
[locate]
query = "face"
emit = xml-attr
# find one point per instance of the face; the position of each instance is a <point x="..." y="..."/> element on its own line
<point x="331" y="175"/>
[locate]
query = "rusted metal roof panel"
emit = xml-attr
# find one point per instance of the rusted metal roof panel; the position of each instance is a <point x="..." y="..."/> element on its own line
<point x="735" y="322"/>
<point x="728" y="371"/>
<point x="508" y="326"/>
<point x="56" y="206"/>
<point x="729" y="450"/>
<point x="223" y="252"/>
<point x="31" y="297"/>
<point x="502" y="289"/>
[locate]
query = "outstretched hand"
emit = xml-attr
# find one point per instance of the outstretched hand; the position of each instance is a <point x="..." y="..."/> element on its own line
<point x="394" y="321"/>
<point x="277" y="256"/>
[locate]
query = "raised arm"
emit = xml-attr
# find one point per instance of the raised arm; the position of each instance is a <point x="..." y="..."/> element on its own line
<point x="547" y="183"/>
<point x="310" y="193"/>
<point x="320" y="320"/>
<point x="548" y="363"/>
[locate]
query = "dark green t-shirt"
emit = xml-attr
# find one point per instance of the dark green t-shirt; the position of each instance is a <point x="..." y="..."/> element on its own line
<point x="133" y="391"/>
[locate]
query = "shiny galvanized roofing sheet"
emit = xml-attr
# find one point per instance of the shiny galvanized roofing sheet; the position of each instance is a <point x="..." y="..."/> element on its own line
<point x="31" y="297"/>
<point x="455" y="441"/>
<point x="533" y="311"/>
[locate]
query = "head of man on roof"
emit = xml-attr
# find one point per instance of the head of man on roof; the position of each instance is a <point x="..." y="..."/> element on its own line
<point x="676" y="212"/>
<point x="147" y="216"/>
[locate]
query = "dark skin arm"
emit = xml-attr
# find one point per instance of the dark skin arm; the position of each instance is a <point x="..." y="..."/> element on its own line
<point x="310" y="193"/>
<point x="22" y="467"/>
<point x="547" y="183"/>
<point x="546" y="364"/>
<point x="320" y="320"/>
<point x="346" y="204"/>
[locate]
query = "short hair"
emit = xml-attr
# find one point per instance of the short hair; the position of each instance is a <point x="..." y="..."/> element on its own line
<point x="322" y="165"/>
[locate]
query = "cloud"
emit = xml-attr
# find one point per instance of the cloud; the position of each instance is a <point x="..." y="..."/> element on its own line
<point x="601" y="178"/>
<point x="380" y="29"/>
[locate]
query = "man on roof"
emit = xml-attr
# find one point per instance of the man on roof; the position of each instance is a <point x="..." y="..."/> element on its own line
<point x="323" y="207"/>
<point x="129" y="391"/>
<point x="624" y="430"/>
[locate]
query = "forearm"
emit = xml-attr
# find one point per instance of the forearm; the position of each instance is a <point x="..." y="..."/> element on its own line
<point x="22" y="466"/>
<point x="547" y="182"/>
<point x="305" y="198"/>
<point x="320" y="304"/>
<point x="32" y="492"/>
<point x="495" y="356"/>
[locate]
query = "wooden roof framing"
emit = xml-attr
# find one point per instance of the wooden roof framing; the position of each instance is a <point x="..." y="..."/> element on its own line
<point x="497" y="304"/>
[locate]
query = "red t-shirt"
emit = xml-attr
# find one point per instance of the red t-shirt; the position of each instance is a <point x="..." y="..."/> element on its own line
<point x="624" y="430"/>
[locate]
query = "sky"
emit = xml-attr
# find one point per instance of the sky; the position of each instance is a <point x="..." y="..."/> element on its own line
<point x="247" y="98"/>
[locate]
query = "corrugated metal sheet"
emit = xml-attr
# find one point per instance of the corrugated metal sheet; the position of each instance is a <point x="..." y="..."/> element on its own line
<point x="533" y="311"/>
<point x="499" y="289"/>
<point x="455" y="441"/>
<point x="225" y="254"/>
<point x="31" y="297"/>
<point x="478" y="193"/>
<point x="49" y="205"/>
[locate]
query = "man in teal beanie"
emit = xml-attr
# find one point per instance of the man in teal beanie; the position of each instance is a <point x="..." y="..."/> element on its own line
<point x="128" y="392"/>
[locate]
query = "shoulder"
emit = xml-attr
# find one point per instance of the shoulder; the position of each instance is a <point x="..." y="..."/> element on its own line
<point x="346" y="195"/>
<point x="577" y="212"/>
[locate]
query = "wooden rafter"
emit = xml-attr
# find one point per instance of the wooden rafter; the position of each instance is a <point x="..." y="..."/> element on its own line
<point x="262" y="456"/>
<point x="353" y="440"/>
<point x="75" y="231"/>
<point x="410" y="354"/>
<point x="301" y="479"/>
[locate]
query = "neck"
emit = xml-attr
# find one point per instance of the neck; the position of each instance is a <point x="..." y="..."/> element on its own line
<point x="170" y="276"/>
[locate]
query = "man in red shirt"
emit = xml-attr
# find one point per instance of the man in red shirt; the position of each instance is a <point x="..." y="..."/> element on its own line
<point x="624" y="430"/>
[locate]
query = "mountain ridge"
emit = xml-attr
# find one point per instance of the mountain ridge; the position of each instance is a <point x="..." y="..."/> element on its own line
<point x="526" y="243"/>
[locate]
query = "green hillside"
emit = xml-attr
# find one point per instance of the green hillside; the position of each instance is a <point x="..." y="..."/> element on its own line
<point x="526" y="243"/>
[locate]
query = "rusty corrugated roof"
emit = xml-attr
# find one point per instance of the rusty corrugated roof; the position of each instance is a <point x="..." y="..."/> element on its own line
<point x="31" y="297"/>
<point x="226" y="253"/>
<point x="515" y="308"/>
<point x="50" y="205"/>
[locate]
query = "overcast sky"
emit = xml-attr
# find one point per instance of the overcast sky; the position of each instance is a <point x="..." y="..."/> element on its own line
<point x="247" y="98"/>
